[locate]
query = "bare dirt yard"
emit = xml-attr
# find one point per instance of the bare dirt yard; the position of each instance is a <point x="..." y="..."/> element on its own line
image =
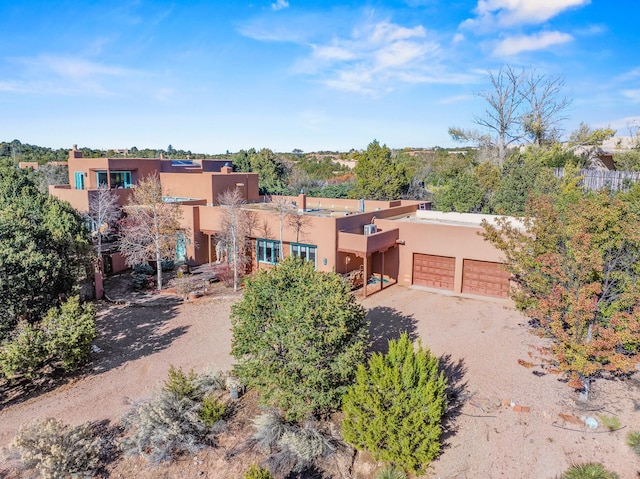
<point x="506" y="420"/>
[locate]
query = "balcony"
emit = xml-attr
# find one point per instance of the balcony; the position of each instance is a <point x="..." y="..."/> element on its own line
<point x="365" y="245"/>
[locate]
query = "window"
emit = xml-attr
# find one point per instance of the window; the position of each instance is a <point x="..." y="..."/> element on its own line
<point x="304" y="251"/>
<point x="120" y="179"/>
<point x="101" y="179"/>
<point x="267" y="251"/>
<point x="79" y="177"/>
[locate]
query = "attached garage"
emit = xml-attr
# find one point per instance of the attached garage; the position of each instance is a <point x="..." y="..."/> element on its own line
<point x="485" y="278"/>
<point x="434" y="271"/>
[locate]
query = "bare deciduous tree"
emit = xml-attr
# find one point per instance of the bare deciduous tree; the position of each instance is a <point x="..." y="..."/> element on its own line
<point x="235" y="228"/>
<point x="520" y="104"/>
<point x="545" y="105"/>
<point x="103" y="213"/>
<point x="151" y="227"/>
<point x="501" y="118"/>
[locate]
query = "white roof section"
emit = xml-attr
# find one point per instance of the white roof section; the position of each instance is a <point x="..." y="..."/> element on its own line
<point x="460" y="219"/>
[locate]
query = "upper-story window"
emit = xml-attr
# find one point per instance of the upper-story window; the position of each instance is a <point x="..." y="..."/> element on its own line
<point x="115" y="179"/>
<point x="304" y="251"/>
<point x="79" y="180"/>
<point x="120" y="179"/>
<point x="102" y="179"/>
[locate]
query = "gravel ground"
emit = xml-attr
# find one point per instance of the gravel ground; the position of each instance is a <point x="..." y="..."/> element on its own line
<point x="479" y="341"/>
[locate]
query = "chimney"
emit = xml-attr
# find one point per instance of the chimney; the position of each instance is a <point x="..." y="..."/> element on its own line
<point x="226" y="169"/>
<point x="75" y="153"/>
<point x="302" y="202"/>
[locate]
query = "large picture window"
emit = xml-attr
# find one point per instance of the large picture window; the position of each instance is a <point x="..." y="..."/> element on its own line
<point x="267" y="251"/>
<point x="304" y="251"/>
<point x="120" y="179"/>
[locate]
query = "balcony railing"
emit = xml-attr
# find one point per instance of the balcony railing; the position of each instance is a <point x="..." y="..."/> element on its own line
<point x="359" y="243"/>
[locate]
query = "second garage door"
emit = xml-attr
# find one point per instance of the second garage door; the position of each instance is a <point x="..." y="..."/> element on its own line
<point x="485" y="278"/>
<point x="434" y="271"/>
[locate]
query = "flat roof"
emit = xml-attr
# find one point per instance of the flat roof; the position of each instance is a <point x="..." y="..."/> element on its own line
<point x="473" y="220"/>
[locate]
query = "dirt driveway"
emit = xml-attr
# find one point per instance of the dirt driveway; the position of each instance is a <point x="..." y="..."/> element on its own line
<point x="480" y="343"/>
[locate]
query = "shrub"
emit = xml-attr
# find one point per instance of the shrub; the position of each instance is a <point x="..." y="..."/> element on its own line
<point x="70" y="331"/>
<point x="395" y="409"/>
<point x="181" y="384"/>
<point x="292" y="447"/>
<point x="391" y="472"/>
<point x="256" y="472"/>
<point x="163" y="427"/>
<point x="179" y="420"/>
<point x="610" y="422"/>
<point x="589" y="470"/>
<point x="24" y="353"/>
<point x="633" y="441"/>
<point x="142" y="281"/>
<point x="167" y="264"/>
<point x="297" y="334"/>
<point x="145" y="269"/>
<point x="212" y="410"/>
<point x="58" y="451"/>
<point x="64" y="335"/>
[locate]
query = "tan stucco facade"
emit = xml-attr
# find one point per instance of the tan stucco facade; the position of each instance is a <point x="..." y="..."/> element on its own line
<point x="379" y="238"/>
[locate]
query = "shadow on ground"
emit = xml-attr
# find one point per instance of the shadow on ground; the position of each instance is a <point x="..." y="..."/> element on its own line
<point x="386" y="324"/>
<point x="125" y="333"/>
<point x="456" y="392"/>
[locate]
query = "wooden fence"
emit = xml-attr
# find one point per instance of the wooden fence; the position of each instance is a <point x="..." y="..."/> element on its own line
<point x="599" y="179"/>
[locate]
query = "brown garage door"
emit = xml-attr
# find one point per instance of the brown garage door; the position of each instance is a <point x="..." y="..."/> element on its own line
<point x="433" y="271"/>
<point x="485" y="278"/>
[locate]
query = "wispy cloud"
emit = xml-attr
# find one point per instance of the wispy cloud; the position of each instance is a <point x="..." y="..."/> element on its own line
<point x="64" y="75"/>
<point x="491" y="13"/>
<point x="375" y="57"/>
<point x="633" y="95"/>
<point x="279" y="5"/>
<point x="513" y="45"/>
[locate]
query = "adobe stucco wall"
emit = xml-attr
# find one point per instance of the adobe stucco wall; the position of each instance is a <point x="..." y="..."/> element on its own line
<point x="458" y="241"/>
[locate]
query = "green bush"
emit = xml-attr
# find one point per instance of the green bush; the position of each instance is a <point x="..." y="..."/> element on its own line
<point x="391" y="472"/>
<point x="589" y="470"/>
<point x="212" y="410"/>
<point x="256" y="472"/>
<point x="610" y="422"/>
<point x="396" y="407"/>
<point x="297" y="334"/>
<point x="70" y="331"/>
<point x="58" y="451"/>
<point x="167" y="264"/>
<point x="181" y="384"/>
<point x="24" y="353"/>
<point x="633" y="441"/>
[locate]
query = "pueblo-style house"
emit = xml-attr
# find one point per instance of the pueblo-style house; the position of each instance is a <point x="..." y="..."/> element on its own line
<point x="384" y="242"/>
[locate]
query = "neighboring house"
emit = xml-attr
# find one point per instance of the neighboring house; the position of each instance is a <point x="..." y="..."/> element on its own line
<point x="387" y="242"/>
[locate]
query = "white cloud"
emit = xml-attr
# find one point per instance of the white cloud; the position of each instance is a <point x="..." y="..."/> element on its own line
<point x="375" y="58"/>
<point x="633" y="95"/>
<point x="524" y="43"/>
<point x="279" y="5"/>
<point x="517" y="12"/>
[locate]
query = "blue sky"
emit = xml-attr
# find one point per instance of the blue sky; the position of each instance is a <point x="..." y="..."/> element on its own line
<point x="212" y="76"/>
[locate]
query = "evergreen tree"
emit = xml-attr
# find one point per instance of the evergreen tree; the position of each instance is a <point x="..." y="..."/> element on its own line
<point x="297" y="334"/>
<point x="396" y="407"/>
<point x="379" y="176"/>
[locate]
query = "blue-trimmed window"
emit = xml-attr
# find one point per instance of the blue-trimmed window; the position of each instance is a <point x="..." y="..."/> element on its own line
<point x="267" y="251"/>
<point x="79" y="179"/>
<point x="120" y="179"/>
<point x="304" y="251"/>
